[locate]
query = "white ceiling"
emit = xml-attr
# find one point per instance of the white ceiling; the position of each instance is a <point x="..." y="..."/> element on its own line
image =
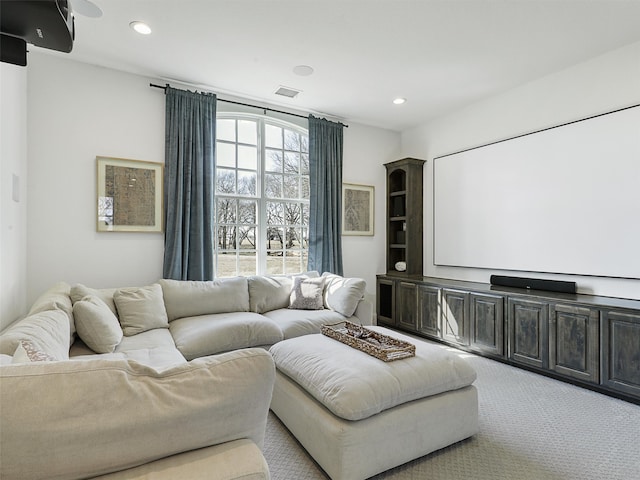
<point x="440" y="55"/>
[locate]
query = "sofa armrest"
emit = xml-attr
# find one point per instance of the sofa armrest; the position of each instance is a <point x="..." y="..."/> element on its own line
<point x="89" y="418"/>
<point x="364" y="312"/>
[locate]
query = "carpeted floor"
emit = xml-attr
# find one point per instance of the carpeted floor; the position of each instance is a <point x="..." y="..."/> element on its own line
<point x="531" y="428"/>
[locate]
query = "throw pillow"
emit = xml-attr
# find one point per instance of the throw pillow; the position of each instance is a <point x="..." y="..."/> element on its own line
<point x="141" y="309"/>
<point x="27" y="352"/>
<point x="96" y="324"/>
<point x="79" y="291"/>
<point x="306" y="293"/>
<point x="343" y="294"/>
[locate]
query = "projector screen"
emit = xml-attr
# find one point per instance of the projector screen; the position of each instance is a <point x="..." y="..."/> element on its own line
<point x="561" y="200"/>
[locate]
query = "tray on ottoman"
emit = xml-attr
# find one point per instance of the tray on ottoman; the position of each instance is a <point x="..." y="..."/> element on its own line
<point x="376" y="344"/>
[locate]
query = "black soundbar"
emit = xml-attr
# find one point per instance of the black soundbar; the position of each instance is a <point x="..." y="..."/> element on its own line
<point x="534" y="284"/>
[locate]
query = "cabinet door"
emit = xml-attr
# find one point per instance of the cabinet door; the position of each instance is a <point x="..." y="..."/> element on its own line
<point x="573" y="341"/>
<point x="487" y="323"/>
<point x="528" y="322"/>
<point x="407" y="305"/>
<point x="429" y="311"/>
<point x="455" y="316"/>
<point x="621" y="351"/>
<point x="385" y="302"/>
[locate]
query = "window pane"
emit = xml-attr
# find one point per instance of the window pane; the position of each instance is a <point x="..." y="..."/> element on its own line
<point x="275" y="238"/>
<point x="291" y="140"/>
<point x="247" y="183"/>
<point x="304" y="143"/>
<point x="275" y="214"/>
<point x="292" y="213"/>
<point x="304" y="164"/>
<point x="273" y="136"/>
<point x="293" y="238"/>
<point x="247" y="157"/>
<point x="226" y="237"/>
<point x="273" y="186"/>
<point x="305" y="241"/>
<point x="275" y="265"/>
<point x="247" y="263"/>
<point x="226" y="129"/>
<point x="291" y="162"/>
<point x="225" y="180"/>
<point x="305" y="187"/>
<point x="292" y="262"/>
<point x="225" y="210"/>
<point x="225" y="154"/>
<point x="226" y="264"/>
<point x="273" y="162"/>
<point x="291" y="186"/>
<point x="247" y="212"/>
<point x="305" y="214"/>
<point x="247" y="238"/>
<point x="248" y="132"/>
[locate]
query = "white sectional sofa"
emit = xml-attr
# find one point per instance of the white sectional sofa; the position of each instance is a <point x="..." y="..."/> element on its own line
<point x="161" y="380"/>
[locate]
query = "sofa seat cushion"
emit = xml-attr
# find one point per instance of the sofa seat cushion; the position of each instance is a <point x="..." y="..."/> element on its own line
<point x="90" y="418"/>
<point x="222" y="332"/>
<point x="355" y="385"/>
<point x="239" y="459"/>
<point x="295" y="323"/>
<point x="154" y="348"/>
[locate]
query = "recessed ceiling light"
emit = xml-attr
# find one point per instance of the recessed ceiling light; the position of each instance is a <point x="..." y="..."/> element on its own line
<point x="303" y="70"/>
<point x="141" y="27"/>
<point x="399" y="101"/>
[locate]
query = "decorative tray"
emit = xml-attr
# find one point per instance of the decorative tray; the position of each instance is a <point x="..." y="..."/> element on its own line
<point x="375" y="344"/>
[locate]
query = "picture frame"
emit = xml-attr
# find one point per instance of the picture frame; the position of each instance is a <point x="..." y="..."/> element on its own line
<point x="357" y="209"/>
<point x="129" y="195"/>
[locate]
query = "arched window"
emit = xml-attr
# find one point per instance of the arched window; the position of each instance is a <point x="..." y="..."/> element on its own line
<point x="262" y="196"/>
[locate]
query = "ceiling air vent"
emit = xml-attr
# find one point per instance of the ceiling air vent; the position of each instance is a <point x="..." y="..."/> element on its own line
<point x="287" y="92"/>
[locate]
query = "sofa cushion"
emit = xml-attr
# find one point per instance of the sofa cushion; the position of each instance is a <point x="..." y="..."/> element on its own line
<point x="294" y="323"/>
<point x="55" y="297"/>
<point x="271" y="292"/>
<point x="153" y="347"/>
<point x="343" y="294"/>
<point x="93" y="417"/>
<point x="191" y="298"/>
<point x="96" y="324"/>
<point x="355" y="385"/>
<point x="79" y="291"/>
<point x="140" y="309"/>
<point x="306" y="293"/>
<point x="49" y="331"/>
<point x="221" y="332"/>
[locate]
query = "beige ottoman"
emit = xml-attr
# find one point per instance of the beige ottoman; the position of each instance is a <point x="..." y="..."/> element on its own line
<point x="358" y="416"/>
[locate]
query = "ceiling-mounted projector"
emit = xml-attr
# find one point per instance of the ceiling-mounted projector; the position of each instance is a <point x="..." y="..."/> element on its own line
<point x="43" y="23"/>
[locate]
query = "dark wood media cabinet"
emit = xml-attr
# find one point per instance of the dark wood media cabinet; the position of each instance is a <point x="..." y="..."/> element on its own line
<point x="590" y="341"/>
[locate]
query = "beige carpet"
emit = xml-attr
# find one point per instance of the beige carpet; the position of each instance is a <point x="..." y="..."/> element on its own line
<point x="531" y="428"/>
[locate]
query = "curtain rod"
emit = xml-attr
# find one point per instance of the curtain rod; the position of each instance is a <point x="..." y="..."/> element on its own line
<point x="249" y="105"/>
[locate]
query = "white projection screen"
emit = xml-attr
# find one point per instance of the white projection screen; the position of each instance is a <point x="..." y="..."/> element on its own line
<point x="561" y="200"/>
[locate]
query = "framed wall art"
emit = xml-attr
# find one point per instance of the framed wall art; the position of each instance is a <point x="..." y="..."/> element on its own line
<point x="357" y="209"/>
<point x="129" y="195"/>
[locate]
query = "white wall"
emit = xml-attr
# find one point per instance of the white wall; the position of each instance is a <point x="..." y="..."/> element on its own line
<point x="600" y="85"/>
<point x="366" y="150"/>
<point x="77" y="112"/>
<point x="13" y="199"/>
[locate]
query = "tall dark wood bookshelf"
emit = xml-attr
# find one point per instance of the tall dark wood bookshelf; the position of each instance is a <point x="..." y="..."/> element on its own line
<point x="405" y="216"/>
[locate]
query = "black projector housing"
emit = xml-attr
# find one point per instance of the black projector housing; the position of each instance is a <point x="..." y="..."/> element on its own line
<point x="43" y="23"/>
